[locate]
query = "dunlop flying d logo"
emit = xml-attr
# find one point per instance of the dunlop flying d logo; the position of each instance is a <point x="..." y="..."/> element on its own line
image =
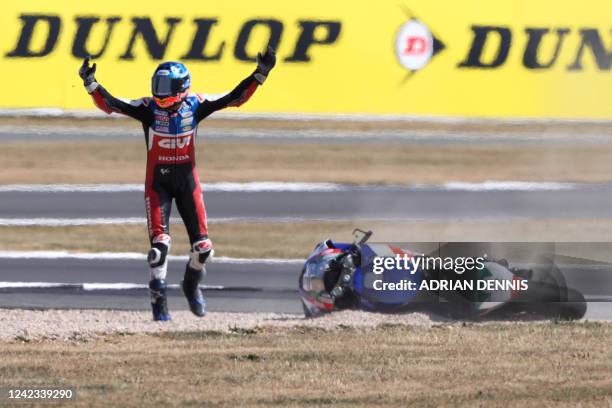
<point x="416" y="45"/>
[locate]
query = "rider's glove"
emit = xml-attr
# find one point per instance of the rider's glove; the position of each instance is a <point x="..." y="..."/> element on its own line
<point x="87" y="74"/>
<point x="265" y="63"/>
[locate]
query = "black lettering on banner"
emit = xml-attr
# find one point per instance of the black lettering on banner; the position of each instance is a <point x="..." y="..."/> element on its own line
<point x="481" y="35"/>
<point x="535" y="35"/>
<point x="143" y="27"/>
<point x="23" y="47"/>
<point x="589" y="38"/>
<point x="200" y="39"/>
<point x="85" y="24"/>
<point x="307" y="38"/>
<point x="276" y="30"/>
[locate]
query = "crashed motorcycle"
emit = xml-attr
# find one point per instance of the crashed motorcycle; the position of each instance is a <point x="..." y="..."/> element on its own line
<point x="338" y="276"/>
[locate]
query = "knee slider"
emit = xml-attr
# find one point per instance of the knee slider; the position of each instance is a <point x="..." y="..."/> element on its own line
<point x="158" y="263"/>
<point x="159" y="250"/>
<point x="157" y="255"/>
<point x="200" y="253"/>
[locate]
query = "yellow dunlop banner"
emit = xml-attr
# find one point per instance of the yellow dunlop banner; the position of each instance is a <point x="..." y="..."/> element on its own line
<point x="479" y="58"/>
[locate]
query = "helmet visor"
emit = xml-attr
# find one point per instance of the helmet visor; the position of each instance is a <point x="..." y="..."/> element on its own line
<point x="163" y="85"/>
<point x="167" y="101"/>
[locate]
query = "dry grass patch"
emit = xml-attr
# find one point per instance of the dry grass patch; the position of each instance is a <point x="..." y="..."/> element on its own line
<point x="295" y="240"/>
<point x="83" y="161"/>
<point x="392" y="366"/>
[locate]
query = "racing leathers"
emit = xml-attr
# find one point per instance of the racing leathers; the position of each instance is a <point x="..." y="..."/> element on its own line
<point x="171" y="173"/>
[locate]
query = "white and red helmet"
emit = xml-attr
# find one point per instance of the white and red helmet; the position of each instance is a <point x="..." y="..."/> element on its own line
<point x="318" y="279"/>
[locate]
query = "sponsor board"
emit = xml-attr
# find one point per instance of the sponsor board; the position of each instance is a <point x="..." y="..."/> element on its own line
<point x="466" y="58"/>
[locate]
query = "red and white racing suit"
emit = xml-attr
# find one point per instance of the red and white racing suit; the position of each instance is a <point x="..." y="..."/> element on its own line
<point x="170" y="137"/>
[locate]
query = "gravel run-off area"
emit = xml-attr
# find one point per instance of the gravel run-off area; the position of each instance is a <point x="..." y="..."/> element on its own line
<point x="85" y="325"/>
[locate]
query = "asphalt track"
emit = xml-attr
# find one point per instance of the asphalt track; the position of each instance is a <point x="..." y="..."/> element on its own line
<point x="253" y="287"/>
<point x="350" y="203"/>
<point x="267" y="287"/>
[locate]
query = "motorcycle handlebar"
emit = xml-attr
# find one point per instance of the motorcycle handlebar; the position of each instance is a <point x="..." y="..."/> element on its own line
<point x="364" y="238"/>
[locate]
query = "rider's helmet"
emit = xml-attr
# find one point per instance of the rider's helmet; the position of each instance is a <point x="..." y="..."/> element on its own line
<point x="170" y="84"/>
<point x="319" y="276"/>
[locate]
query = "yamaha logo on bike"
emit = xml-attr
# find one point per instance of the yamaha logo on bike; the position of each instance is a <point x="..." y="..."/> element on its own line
<point x="415" y="45"/>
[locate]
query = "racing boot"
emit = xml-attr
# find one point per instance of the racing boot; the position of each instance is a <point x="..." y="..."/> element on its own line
<point x="191" y="289"/>
<point x="159" y="301"/>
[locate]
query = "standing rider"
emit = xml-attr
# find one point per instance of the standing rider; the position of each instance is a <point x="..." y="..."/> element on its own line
<point x="170" y="119"/>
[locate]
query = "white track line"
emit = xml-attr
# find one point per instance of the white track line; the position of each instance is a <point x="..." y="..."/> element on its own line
<point x="72" y="222"/>
<point x="136" y="256"/>
<point x="11" y="285"/>
<point x="71" y="188"/>
<point x="273" y="186"/>
<point x="69" y="222"/>
<point x="508" y="186"/>
<point x="357" y="117"/>
<point x="128" y="286"/>
<point x="76" y="222"/>
<point x="263" y="186"/>
<point x="91" y="286"/>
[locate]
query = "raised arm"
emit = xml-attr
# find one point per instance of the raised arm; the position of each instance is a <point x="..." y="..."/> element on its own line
<point x="241" y="93"/>
<point x="108" y="103"/>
